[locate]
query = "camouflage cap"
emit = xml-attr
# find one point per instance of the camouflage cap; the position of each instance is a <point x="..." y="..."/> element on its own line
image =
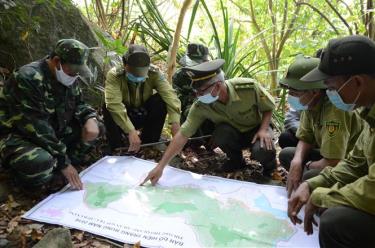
<point x="75" y="54"/>
<point x="195" y="54"/>
<point x="301" y="66"/>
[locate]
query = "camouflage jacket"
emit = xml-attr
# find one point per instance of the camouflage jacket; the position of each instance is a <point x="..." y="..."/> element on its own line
<point x="181" y="83"/>
<point x="37" y="107"/>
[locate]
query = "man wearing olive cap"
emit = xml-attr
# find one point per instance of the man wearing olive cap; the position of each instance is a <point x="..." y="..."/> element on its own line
<point x="45" y="127"/>
<point x="344" y="195"/>
<point x="326" y="134"/>
<point x="241" y="110"/>
<point x="138" y="96"/>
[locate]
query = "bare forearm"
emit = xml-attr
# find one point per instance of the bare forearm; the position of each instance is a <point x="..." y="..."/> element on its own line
<point x="302" y="150"/>
<point x="266" y="119"/>
<point x="173" y="149"/>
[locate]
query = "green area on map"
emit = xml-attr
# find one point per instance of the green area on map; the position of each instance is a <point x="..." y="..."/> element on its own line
<point x="215" y="222"/>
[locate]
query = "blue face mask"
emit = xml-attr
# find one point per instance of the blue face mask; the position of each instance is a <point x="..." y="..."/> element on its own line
<point x="336" y="99"/>
<point x="135" y="79"/>
<point x="208" y="98"/>
<point x="296" y="104"/>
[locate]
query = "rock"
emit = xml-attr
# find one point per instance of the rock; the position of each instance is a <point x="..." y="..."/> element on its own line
<point x="29" y="30"/>
<point x="56" y="238"/>
<point x="3" y="242"/>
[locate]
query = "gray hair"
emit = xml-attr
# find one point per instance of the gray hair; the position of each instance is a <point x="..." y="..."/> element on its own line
<point x="218" y="77"/>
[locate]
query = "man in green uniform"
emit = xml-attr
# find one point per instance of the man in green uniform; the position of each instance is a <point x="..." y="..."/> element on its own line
<point x="195" y="55"/>
<point x="131" y="104"/>
<point x="45" y="127"/>
<point x="326" y="134"/>
<point x="346" y="192"/>
<point x="241" y="110"/>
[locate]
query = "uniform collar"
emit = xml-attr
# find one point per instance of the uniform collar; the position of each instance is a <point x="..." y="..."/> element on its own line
<point x="368" y="114"/>
<point x="233" y="96"/>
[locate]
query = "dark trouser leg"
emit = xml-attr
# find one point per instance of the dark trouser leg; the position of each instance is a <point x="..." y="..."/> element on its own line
<point x="229" y="140"/>
<point x="154" y="121"/>
<point x="287" y="139"/>
<point x="346" y="227"/>
<point x="287" y="154"/>
<point x="267" y="158"/>
<point x="113" y="131"/>
<point x="31" y="165"/>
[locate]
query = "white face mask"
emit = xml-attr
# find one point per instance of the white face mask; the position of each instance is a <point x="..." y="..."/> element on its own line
<point x="64" y="78"/>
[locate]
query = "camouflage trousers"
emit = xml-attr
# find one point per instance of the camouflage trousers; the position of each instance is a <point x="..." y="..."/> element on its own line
<point x="30" y="164"/>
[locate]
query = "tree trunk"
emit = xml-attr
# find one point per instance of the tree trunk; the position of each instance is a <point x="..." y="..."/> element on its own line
<point x="173" y="49"/>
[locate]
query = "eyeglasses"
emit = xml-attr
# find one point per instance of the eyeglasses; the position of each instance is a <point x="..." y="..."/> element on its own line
<point x="202" y="91"/>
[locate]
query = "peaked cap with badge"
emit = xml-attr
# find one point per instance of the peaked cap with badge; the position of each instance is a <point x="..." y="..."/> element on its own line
<point x="301" y="66"/>
<point x="201" y="73"/>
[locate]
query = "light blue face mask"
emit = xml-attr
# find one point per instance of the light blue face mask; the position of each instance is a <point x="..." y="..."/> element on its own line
<point x="336" y="99"/>
<point x="296" y="104"/>
<point x="135" y="79"/>
<point x="208" y="98"/>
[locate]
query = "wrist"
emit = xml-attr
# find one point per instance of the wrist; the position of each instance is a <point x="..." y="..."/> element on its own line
<point x="308" y="164"/>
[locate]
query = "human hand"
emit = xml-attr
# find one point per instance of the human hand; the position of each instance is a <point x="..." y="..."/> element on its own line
<point x="174" y="128"/>
<point x="154" y="175"/>
<point x="265" y="139"/>
<point x="294" y="176"/>
<point x="72" y="176"/>
<point x="309" y="221"/>
<point x="295" y="203"/>
<point x="134" y="141"/>
<point x="90" y="130"/>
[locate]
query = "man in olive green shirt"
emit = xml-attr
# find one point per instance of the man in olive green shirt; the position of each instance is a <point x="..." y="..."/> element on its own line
<point x="326" y="134"/>
<point x="131" y="102"/>
<point x="346" y="193"/>
<point x="241" y="110"/>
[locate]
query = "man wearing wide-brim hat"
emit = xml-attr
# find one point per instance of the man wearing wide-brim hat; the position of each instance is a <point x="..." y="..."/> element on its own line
<point x="326" y="134"/>
<point x="344" y="193"/>
<point x="241" y="110"/>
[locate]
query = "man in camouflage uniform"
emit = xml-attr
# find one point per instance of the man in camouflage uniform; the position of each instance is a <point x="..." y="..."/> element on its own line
<point x="325" y="134"/>
<point x="195" y="55"/>
<point x="241" y="110"/>
<point x="344" y="195"/>
<point x="131" y="102"/>
<point x="45" y="126"/>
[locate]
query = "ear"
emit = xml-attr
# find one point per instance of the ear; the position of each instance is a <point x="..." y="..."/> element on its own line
<point x="55" y="60"/>
<point x="360" y="81"/>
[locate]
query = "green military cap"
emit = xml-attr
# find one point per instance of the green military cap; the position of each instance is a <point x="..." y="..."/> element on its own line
<point x="298" y="69"/>
<point x="196" y="53"/>
<point x="75" y="54"/>
<point x="199" y="74"/>
<point x="350" y="55"/>
<point x="137" y="57"/>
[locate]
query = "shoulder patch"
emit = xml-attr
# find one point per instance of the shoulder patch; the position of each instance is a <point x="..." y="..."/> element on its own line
<point x="332" y="127"/>
<point x="242" y="83"/>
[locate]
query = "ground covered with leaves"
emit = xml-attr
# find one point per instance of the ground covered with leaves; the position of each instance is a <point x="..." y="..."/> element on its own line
<point x="18" y="232"/>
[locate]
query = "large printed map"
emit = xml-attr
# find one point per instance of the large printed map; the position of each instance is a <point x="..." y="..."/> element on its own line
<point x="183" y="210"/>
